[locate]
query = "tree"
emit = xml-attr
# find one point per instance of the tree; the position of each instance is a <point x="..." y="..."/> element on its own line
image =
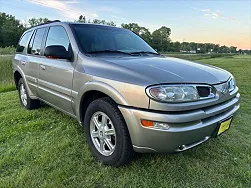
<point x="160" y="38"/>
<point x="216" y="48"/>
<point x="36" y="21"/>
<point x="81" y="19"/>
<point x="175" y="46"/>
<point x="224" y="49"/>
<point x="96" y="21"/>
<point x="10" y="30"/>
<point x="233" y="49"/>
<point x="139" y="30"/>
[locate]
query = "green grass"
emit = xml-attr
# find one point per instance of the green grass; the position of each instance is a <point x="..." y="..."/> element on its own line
<point x="45" y="148"/>
<point x="197" y="56"/>
<point x="6" y="74"/>
<point x="8" y="50"/>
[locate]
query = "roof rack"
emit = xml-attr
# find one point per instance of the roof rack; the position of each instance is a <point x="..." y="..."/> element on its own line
<point x="48" y="22"/>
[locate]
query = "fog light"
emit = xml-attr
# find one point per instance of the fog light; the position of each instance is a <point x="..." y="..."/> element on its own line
<point x="155" y="125"/>
<point x="158" y="125"/>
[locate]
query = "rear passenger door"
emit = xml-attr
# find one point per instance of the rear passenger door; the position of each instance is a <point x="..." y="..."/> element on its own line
<point x="56" y="75"/>
<point x="20" y="59"/>
<point x="34" y="57"/>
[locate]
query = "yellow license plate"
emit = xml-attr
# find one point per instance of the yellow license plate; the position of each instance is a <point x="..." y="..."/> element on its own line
<point x="224" y="126"/>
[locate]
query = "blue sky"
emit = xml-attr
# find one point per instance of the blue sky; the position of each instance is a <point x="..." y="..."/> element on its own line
<point x="222" y="21"/>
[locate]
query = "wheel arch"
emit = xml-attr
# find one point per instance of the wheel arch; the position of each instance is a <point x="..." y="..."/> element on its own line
<point x="92" y="91"/>
<point x="17" y="77"/>
<point x="18" y="74"/>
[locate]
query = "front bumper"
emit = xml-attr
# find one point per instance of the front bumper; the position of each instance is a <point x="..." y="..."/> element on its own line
<point x="187" y="129"/>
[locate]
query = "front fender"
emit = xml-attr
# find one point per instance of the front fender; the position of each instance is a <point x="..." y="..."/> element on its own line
<point x="101" y="87"/>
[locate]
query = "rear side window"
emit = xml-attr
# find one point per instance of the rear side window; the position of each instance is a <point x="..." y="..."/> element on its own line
<point x="57" y="36"/>
<point x="23" y="42"/>
<point x="31" y="43"/>
<point x="37" y="42"/>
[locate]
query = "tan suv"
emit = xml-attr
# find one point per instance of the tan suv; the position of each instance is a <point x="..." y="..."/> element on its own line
<point x="127" y="96"/>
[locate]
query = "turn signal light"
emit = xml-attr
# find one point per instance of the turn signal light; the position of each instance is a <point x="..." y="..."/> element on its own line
<point x="155" y="125"/>
<point x="147" y="123"/>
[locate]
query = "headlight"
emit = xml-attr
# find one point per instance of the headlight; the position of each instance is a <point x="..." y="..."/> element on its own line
<point x="231" y="84"/>
<point x="179" y="93"/>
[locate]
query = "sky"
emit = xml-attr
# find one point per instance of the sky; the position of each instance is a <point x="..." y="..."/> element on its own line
<point x="224" y="22"/>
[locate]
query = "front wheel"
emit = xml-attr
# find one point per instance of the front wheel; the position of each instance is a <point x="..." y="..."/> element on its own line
<point x="107" y="134"/>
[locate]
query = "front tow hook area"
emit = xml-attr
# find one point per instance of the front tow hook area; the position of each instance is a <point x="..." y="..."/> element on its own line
<point x="189" y="146"/>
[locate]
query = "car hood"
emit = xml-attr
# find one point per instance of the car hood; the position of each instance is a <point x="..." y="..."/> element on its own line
<point x="172" y="70"/>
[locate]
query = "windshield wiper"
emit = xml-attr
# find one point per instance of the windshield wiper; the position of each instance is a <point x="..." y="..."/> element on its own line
<point x="109" y="51"/>
<point x="145" y="52"/>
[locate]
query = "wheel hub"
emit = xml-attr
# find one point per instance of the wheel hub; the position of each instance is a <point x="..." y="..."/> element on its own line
<point x="103" y="133"/>
<point x="23" y="95"/>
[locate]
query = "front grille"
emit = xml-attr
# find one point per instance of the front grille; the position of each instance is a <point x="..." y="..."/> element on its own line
<point x="204" y="91"/>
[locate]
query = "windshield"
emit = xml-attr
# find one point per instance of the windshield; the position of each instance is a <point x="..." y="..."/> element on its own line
<point x="98" y="38"/>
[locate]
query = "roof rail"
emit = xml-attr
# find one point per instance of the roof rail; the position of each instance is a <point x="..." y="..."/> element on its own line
<point x="48" y="22"/>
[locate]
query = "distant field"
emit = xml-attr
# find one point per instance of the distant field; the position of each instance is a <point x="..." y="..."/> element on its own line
<point x="196" y="56"/>
<point x="6" y="75"/>
<point x="7" y="50"/>
<point x="45" y="148"/>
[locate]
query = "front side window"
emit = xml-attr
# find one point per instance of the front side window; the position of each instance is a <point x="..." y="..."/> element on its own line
<point x="57" y="36"/>
<point x="37" y="43"/>
<point x="94" y="38"/>
<point x="23" y="42"/>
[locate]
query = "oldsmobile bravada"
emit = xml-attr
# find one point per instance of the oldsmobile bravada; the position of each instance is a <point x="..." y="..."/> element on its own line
<point x="127" y="96"/>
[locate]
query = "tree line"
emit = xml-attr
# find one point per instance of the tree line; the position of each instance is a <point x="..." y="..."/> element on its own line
<point x="11" y="29"/>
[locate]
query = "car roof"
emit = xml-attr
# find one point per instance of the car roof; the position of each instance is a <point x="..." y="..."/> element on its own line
<point x="57" y="22"/>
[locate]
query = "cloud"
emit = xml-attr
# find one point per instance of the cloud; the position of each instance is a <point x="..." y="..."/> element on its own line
<point x="119" y="18"/>
<point x="106" y="9"/>
<point x="71" y="2"/>
<point x="216" y="14"/>
<point x="202" y="10"/>
<point x="64" y="8"/>
<point x="109" y="9"/>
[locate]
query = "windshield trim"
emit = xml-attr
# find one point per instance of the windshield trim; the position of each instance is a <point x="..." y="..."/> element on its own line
<point x="77" y="40"/>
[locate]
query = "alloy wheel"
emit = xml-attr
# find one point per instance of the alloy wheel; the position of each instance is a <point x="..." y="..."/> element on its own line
<point x="103" y="133"/>
<point x="23" y="95"/>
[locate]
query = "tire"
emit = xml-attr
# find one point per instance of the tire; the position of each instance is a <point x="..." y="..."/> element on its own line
<point x="122" y="152"/>
<point x="24" y="98"/>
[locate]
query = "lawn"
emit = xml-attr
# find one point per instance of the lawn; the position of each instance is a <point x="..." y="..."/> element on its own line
<point x="6" y="75"/>
<point x="7" y="50"/>
<point x="47" y="148"/>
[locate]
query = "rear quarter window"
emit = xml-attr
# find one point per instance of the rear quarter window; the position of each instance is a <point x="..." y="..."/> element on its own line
<point x="23" y="42"/>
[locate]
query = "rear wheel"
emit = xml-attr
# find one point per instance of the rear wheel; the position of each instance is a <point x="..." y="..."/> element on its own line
<point x="25" y="100"/>
<point x="107" y="134"/>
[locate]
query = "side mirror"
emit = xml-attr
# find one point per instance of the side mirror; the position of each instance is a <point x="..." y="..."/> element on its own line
<point x="56" y="52"/>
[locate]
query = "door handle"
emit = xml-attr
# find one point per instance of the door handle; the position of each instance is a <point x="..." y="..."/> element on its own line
<point x="23" y="62"/>
<point x="42" y="67"/>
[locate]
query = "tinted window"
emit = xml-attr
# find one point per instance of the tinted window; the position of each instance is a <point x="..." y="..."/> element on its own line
<point x="37" y="43"/>
<point x="31" y="43"/>
<point x="57" y="36"/>
<point x="23" y="42"/>
<point x="100" y="38"/>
